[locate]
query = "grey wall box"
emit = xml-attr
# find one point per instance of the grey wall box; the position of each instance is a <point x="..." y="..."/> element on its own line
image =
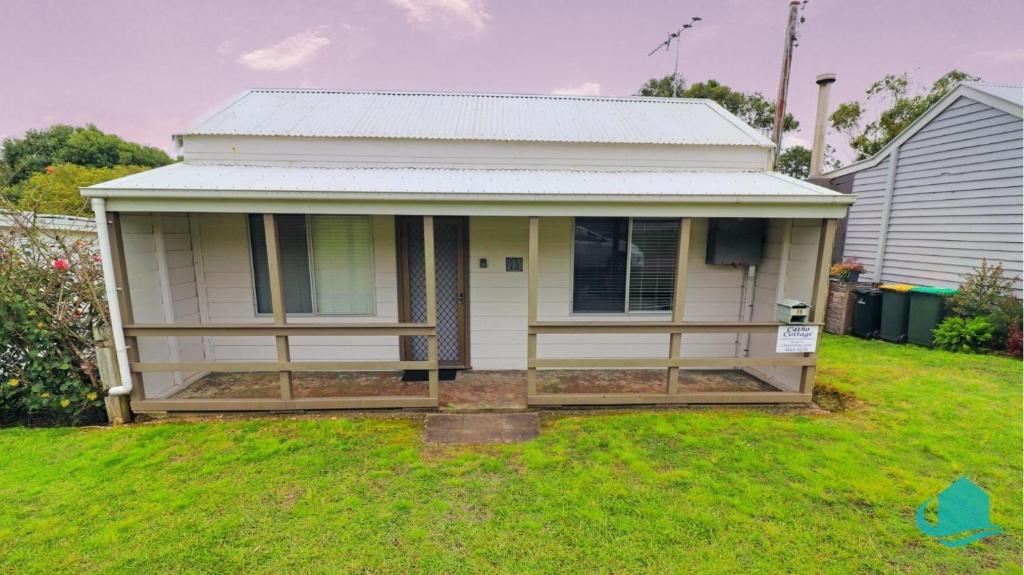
<point x="735" y="241"/>
<point x="513" y="264"/>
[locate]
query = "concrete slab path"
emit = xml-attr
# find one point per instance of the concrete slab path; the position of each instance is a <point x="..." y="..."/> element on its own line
<point x="477" y="428"/>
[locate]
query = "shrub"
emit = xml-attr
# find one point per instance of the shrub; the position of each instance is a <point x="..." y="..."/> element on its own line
<point x="51" y="297"/>
<point x="55" y="191"/>
<point x="1016" y="343"/>
<point x="987" y="292"/>
<point x="963" y="335"/>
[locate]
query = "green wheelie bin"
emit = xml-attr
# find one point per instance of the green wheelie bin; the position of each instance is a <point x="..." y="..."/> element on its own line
<point x="867" y="312"/>
<point x="895" y="310"/>
<point x="927" y="309"/>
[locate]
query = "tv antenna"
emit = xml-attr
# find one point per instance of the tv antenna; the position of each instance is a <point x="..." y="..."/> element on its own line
<point x="674" y="37"/>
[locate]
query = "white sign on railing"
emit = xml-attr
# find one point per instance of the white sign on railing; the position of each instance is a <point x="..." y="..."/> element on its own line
<point x="797" y="339"/>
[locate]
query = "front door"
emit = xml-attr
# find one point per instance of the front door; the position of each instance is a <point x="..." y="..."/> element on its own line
<point x="452" y="277"/>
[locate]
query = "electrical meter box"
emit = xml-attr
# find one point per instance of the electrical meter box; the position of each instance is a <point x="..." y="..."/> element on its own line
<point x="792" y="311"/>
<point x="735" y="241"/>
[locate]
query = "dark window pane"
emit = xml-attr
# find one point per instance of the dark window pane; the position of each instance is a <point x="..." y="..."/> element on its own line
<point x="599" y="265"/>
<point x="291" y="230"/>
<point x="652" y="271"/>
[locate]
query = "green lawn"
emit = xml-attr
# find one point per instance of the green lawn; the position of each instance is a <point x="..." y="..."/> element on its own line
<point x="717" y="490"/>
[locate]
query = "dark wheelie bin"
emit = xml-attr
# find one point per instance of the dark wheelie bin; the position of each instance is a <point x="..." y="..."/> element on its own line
<point x="895" y="310"/>
<point x="927" y="309"/>
<point x="867" y="312"/>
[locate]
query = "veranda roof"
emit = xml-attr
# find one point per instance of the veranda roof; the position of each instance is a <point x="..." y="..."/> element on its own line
<point x="199" y="187"/>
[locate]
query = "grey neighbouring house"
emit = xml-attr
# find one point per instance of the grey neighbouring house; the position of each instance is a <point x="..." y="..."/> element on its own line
<point x="323" y="249"/>
<point x="947" y="192"/>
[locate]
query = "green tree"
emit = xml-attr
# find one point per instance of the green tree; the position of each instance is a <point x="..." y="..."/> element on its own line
<point x="795" y="161"/>
<point x="902" y="107"/>
<point x="55" y="191"/>
<point x="753" y="108"/>
<point x="85" y="146"/>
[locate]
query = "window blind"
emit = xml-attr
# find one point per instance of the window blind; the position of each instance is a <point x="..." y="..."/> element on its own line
<point x="653" y="245"/>
<point x="294" y="263"/>
<point x="342" y="264"/>
<point x="599" y="265"/>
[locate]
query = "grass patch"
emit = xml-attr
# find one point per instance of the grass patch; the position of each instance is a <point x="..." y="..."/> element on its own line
<point x="708" y="490"/>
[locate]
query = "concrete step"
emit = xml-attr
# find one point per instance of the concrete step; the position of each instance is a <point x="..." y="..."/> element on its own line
<point x="481" y="428"/>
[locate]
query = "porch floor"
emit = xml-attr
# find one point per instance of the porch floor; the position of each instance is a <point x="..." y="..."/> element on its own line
<point x="470" y="389"/>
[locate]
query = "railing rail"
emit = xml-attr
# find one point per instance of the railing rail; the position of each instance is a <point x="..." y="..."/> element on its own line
<point x="280" y="329"/>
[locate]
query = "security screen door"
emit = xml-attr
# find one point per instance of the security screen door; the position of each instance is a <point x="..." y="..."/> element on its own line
<point x="450" y="257"/>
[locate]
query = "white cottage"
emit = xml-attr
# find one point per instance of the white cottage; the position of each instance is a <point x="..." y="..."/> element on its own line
<point x="322" y="249"/>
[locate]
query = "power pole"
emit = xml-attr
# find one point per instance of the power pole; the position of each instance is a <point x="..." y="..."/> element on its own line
<point x="787" y="61"/>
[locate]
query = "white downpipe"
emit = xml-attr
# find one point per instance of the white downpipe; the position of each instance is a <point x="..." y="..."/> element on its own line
<point x="99" y="207"/>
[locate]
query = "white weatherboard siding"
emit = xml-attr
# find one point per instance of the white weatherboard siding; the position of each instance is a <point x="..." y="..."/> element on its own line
<point x="367" y="152"/>
<point x="163" y="290"/>
<point x="799" y="284"/>
<point x="865" y="220"/>
<point x="497" y="298"/>
<point x="957" y="197"/>
<point x="231" y="298"/>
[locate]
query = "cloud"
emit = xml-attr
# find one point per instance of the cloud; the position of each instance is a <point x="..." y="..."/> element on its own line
<point x="1009" y="55"/>
<point x="292" y="52"/>
<point x="470" y="12"/>
<point x="584" y="89"/>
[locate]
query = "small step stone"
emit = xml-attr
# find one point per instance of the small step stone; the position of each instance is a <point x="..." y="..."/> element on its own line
<point x="480" y="428"/>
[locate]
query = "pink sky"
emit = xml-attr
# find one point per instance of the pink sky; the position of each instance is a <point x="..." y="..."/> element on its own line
<point x="145" y="68"/>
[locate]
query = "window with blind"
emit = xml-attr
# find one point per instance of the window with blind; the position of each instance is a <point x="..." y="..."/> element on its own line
<point x="624" y="264"/>
<point x="326" y="261"/>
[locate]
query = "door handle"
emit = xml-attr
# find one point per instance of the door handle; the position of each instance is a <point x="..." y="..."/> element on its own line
<point x="461" y="298"/>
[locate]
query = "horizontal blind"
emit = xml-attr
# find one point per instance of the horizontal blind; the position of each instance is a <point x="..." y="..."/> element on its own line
<point x="294" y="263"/>
<point x="599" y="265"/>
<point x="342" y="264"/>
<point x="653" y="264"/>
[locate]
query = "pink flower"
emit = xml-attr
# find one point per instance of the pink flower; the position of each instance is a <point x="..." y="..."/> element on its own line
<point x="96" y="258"/>
<point x="61" y="264"/>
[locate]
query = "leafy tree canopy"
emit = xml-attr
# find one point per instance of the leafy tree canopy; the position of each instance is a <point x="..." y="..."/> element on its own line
<point x="753" y="108"/>
<point x="55" y="191"/>
<point x="61" y="144"/>
<point x="901" y="108"/>
<point x="795" y="161"/>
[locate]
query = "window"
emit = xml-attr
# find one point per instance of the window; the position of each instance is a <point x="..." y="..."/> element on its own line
<point x="624" y="264"/>
<point x="326" y="261"/>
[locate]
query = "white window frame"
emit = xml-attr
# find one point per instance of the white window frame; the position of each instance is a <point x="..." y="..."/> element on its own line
<point x="629" y="268"/>
<point x="312" y="274"/>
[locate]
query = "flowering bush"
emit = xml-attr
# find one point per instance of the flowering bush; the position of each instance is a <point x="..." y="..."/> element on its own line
<point x="846" y="268"/>
<point x="51" y="298"/>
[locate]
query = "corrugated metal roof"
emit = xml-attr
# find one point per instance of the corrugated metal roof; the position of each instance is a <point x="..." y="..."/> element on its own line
<point x="1013" y="93"/>
<point x="502" y="117"/>
<point x="437" y="182"/>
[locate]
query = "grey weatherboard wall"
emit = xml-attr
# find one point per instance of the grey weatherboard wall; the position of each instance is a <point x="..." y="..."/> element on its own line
<point x="957" y="197"/>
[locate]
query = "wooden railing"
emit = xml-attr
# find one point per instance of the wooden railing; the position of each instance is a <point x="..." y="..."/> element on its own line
<point x="672" y="362"/>
<point x="280" y="330"/>
<point x="675" y="328"/>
